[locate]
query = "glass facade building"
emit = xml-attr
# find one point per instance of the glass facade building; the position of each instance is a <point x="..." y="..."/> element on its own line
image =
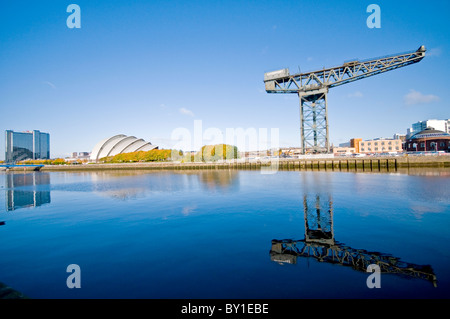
<point x="440" y="125"/>
<point x="21" y="146"/>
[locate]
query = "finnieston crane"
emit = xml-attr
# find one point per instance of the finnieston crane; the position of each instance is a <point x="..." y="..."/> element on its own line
<point x="312" y="89"/>
<point x="319" y="243"/>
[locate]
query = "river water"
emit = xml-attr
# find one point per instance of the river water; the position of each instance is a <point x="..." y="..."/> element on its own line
<point x="226" y="234"/>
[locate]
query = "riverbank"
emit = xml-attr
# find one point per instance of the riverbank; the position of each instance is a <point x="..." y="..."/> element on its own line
<point x="337" y="163"/>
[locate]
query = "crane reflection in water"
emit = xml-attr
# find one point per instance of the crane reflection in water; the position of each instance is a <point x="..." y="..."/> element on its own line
<point x="319" y="243"/>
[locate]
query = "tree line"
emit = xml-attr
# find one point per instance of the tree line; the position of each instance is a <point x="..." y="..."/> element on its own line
<point x="208" y="153"/>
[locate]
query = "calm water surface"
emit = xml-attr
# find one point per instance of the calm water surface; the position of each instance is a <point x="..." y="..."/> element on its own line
<point x="225" y="234"/>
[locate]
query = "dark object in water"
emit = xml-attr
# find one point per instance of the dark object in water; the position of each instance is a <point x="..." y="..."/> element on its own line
<point x="7" y="292"/>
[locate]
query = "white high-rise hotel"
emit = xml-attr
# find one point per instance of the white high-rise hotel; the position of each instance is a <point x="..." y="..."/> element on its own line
<point x="440" y="125"/>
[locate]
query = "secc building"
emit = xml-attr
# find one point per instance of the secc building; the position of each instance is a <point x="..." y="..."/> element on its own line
<point x="119" y="144"/>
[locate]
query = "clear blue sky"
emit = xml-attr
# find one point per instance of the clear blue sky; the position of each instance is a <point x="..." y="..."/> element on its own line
<point x="145" y="68"/>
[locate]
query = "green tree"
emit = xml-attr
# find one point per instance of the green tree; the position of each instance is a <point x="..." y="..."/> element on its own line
<point x="154" y="155"/>
<point x="212" y="153"/>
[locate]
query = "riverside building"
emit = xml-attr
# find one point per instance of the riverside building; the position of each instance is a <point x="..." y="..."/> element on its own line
<point x="440" y="125"/>
<point x="30" y="145"/>
<point x="429" y="140"/>
<point x="119" y="144"/>
<point x="380" y="145"/>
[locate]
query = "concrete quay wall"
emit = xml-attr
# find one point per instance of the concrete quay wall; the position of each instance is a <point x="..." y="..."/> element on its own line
<point x="367" y="163"/>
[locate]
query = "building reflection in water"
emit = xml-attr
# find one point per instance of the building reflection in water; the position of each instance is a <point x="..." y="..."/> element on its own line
<point x="23" y="190"/>
<point x="319" y="243"/>
<point x="219" y="180"/>
<point x="126" y="185"/>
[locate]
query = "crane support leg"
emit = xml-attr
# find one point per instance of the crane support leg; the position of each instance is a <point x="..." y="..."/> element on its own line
<point x="318" y="216"/>
<point x="314" y="122"/>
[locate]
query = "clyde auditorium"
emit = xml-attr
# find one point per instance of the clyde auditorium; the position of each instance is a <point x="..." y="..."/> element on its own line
<point x="120" y="144"/>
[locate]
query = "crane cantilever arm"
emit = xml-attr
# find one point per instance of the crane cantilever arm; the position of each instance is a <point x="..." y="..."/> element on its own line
<point x="358" y="259"/>
<point x="332" y="77"/>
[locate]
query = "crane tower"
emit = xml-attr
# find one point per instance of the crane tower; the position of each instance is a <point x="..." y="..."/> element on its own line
<point x="319" y="243"/>
<point x="312" y="89"/>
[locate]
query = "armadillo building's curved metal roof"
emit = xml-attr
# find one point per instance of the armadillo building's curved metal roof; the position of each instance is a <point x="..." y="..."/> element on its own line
<point x="430" y="132"/>
<point x="118" y="144"/>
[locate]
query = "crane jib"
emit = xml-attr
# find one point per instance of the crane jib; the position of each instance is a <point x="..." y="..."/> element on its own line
<point x="312" y="89"/>
<point x="282" y="82"/>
